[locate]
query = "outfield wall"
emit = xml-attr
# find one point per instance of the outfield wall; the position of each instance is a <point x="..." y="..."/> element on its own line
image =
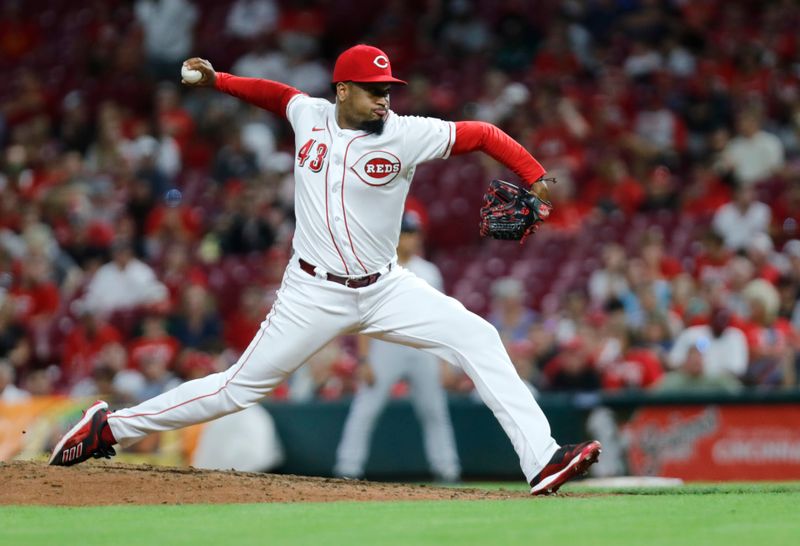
<point x="751" y="436"/>
<point x="696" y="437"/>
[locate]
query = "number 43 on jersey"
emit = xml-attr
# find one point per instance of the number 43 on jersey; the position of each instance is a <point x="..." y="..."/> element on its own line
<point x="306" y="152"/>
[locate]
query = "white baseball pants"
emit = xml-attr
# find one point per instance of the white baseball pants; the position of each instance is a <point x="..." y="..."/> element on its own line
<point x="309" y="311"/>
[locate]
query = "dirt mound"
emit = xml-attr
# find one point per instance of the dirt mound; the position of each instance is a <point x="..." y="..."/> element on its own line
<point x="101" y="483"/>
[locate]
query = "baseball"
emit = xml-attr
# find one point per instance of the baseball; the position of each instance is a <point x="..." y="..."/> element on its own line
<point x="189" y="75"/>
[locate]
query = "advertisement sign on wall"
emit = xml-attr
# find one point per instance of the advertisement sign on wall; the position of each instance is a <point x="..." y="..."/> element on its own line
<point x="715" y="442"/>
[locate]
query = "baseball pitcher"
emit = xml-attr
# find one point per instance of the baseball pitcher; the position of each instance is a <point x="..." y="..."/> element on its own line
<point x="354" y="162"/>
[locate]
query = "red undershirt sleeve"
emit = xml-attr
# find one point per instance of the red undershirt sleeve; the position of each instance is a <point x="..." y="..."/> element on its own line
<point x="266" y="94"/>
<point x="472" y="136"/>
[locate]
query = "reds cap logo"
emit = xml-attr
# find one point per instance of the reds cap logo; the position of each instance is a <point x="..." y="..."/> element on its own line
<point x="377" y="168"/>
<point x="381" y="61"/>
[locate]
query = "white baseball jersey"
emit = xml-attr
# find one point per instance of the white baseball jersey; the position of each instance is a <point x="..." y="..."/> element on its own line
<point x="351" y="185"/>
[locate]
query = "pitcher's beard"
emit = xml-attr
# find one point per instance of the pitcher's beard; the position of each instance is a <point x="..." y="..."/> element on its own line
<point x="373" y="126"/>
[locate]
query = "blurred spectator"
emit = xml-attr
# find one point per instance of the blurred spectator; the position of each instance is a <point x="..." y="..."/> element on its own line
<point x="328" y="374"/>
<point x="40" y="382"/>
<point x="175" y="126"/>
<point x="769" y="338"/>
<point x="619" y="363"/>
<point x="499" y="100"/>
<point x="642" y="60"/>
<point x="512" y="318"/>
<point x="242" y="325"/>
<point x="178" y="271"/>
<point x="193" y="364"/>
<point x="707" y="110"/>
<point x="609" y="282"/>
<point x="628" y="367"/>
<point x="263" y="61"/>
<point x="657" y="262"/>
<point x="76" y="132"/>
<point x="742" y="219"/>
<point x="109" y="153"/>
<point x="705" y="193"/>
<point x="19" y="32"/>
<point x="613" y="188"/>
<point x="196" y="324"/>
<point x="306" y="72"/>
<point x="557" y="135"/>
<point x="154" y="344"/>
<point x="15" y="347"/>
<point x="10" y="393"/>
<point x="660" y="191"/>
<point x="171" y="224"/>
<point x="156" y="159"/>
<point x="760" y="252"/>
<point x="109" y="378"/>
<point x="573" y="316"/>
<point x="791" y="250"/>
<point x="690" y="376"/>
<point x="157" y="377"/>
<point x="248" y="19"/>
<point x="86" y="345"/>
<point x="572" y="369"/>
<point x="786" y="213"/>
<point x="258" y="138"/>
<point x="739" y="272"/>
<point x="123" y="283"/>
<point x="515" y="38"/>
<point x="233" y="160"/>
<point x="722" y="349"/>
<point x="571" y="213"/>
<point x="464" y="32"/>
<point x="35" y="296"/>
<point x="249" y="228"/>
<point x="754" y="154"/>
<point x="711" y="261"/>
<point x="168" y="27"/>
<point x="658" y="133"/>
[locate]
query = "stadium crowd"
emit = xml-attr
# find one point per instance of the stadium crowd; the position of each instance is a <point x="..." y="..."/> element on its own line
<point x="144" y="227"/>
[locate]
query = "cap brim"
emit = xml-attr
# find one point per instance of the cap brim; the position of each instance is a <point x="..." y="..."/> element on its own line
<point x="379" y="79"/>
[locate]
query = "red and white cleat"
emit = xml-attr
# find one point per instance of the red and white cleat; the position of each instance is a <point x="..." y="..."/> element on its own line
<point x="84" y="441"/>
<point x="568" y="462"/>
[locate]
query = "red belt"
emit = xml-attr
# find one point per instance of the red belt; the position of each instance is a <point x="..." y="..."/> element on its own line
<point x="350" y="282"/>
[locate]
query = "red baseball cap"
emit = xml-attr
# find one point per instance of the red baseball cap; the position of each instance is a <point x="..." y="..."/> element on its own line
<point x="365" y="64"/>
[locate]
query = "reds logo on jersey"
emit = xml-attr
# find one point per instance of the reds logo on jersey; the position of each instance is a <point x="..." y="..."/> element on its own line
<point x="377" y="168"/>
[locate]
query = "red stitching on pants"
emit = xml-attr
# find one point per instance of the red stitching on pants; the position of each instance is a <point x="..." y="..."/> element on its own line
<point x="272" y="313"/>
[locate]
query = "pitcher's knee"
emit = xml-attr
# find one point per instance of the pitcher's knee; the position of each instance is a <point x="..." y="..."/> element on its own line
<point x="474" y="329"/>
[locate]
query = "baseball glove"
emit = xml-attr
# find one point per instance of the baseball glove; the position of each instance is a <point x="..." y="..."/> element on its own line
<point x="511" y="212"/>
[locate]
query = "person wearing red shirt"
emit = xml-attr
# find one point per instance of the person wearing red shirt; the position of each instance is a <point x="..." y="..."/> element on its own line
<point x="770" y="338"/>
<point x="84" y="346"/>
<point x="613" y="188"/>
<point x="35" y="296"/>
<point x="658" y="263"/>
<point x="710" y="264"/>
<point x="154" y="344"/>
<point x="705" y="194"/>
<point x="173" y="120"/>
<point x="242" y="324"/>
<point x="636" y="368"/>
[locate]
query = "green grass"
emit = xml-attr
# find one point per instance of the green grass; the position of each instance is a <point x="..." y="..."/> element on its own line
<point x="696" y="515"/>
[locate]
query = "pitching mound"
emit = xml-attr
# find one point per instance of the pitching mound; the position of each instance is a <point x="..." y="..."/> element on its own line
<point x="99" y="483"/>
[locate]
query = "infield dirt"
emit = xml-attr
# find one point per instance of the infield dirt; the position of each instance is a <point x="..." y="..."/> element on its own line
<point x="97" y="483"/>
